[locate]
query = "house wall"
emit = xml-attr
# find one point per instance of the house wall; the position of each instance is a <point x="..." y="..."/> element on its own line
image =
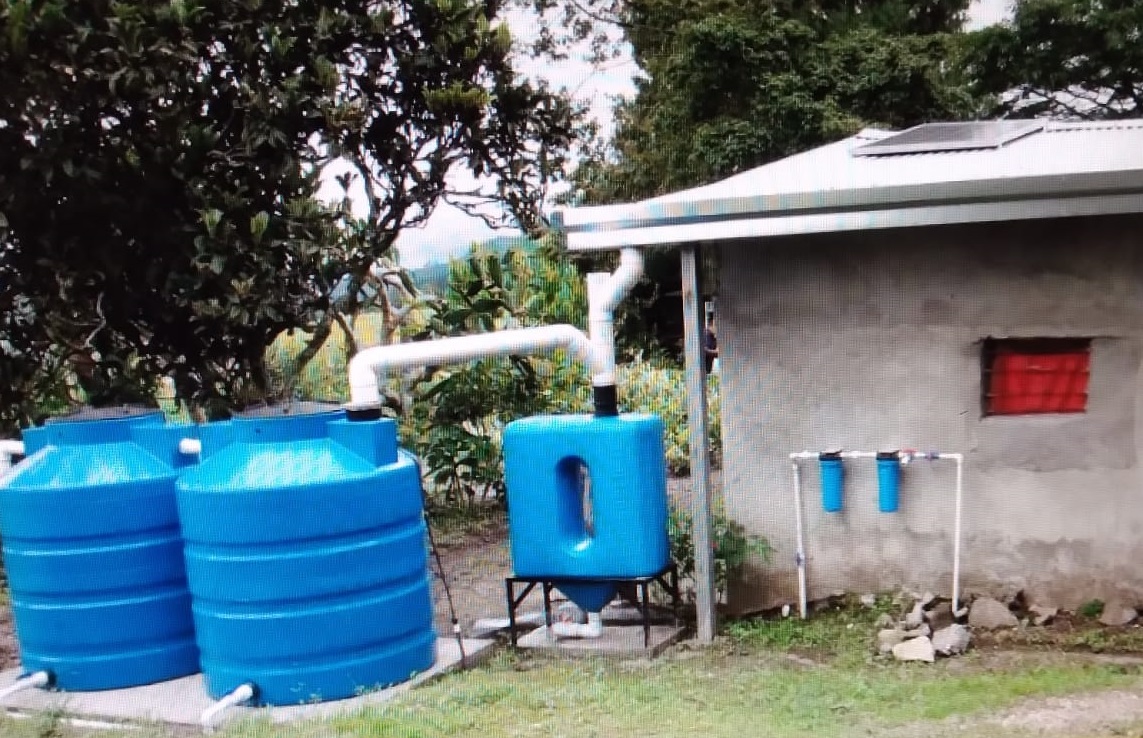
<point x="873" y="341"/>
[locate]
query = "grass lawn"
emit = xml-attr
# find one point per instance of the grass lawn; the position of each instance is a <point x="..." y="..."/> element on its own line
<point x="763" y="678"/>
<point x="776" y="678"/>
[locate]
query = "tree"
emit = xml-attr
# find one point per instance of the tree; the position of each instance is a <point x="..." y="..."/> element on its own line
<point x="1077" y="59"/>
<point x="728" y="86"/>
<point x="159" y="164"/>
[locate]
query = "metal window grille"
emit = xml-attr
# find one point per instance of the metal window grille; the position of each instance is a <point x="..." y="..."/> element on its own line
<point x="1031" y="376"/>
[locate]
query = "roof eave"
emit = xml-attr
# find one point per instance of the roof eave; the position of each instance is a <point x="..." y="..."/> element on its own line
<point x="778" y="225"/>
<point x="898" y="206"/>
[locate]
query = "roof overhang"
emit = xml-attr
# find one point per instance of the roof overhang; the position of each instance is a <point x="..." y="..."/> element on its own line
<point x="678" y="220"/>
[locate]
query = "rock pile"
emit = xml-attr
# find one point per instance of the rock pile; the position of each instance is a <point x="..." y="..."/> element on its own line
<point x="927" y="628"/>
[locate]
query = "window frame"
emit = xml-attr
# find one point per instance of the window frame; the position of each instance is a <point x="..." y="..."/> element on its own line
<point x="992" y="347"/>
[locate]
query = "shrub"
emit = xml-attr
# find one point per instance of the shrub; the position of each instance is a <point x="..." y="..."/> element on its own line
<point x="732" y="545"/>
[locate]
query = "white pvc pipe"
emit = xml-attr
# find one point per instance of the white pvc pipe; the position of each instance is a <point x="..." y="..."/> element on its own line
<point x="38" y="679"/>
<point x="190" y="446"/>
<point x="905" y="457"/>
<point x="959" y="459"/>
<point x="364" y="390"/>
<point x="243" y="693"/>
<point x="8" y="449"/>
<point x="593" y="628"/>
<point x="800" y="554"/>
<point x="604" y="293"/>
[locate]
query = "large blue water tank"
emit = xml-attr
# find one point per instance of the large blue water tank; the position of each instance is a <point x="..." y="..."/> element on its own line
<point x="94" y="555"/>
<point x="306" y="557"/>
<point x="620" y="533"/>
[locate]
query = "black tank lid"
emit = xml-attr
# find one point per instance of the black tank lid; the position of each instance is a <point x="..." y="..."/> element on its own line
<point x="113" y="412"/>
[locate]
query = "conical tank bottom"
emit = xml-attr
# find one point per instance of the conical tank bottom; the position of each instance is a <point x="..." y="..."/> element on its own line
<point x="590" y="597"/>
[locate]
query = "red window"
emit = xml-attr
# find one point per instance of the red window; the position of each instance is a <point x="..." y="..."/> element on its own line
<point x="1036" y="375"/>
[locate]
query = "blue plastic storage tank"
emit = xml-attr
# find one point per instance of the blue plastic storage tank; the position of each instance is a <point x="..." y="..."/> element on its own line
<point x="550" y="537"/>
<point x="306" y="557"/>
<point x="93" y="552"/>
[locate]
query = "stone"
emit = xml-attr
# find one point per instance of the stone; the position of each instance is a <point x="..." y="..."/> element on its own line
<point x="940" y="616"/>
<point x="915" y="617"/>
<point x="888" y="639"/>
<point x="915" y="649"/>
<point x="1042" y="615"/>
<point x="885" y="620"/>
<point x="988" y="614"/>
<point x="569" y="612"/>
<point x="869" y="600"/>
<point x="927" y="599"/>
<point x="1116" y="614"/>
<point x="921" y="630"/>
<point x="952" y="640"/>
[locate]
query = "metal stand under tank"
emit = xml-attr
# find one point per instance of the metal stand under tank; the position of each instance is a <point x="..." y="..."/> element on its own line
<point x="306" y="557"/>
<point x="94" y="555"/>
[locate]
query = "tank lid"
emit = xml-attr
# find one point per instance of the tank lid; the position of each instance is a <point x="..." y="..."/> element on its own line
<point x="116" y="412"/>
<point x="289" y="409"/>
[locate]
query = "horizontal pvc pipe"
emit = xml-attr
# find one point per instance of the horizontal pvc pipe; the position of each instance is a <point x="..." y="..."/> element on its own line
<point x="364" y="391"/>
<point x="243" y="693"/>
<point x="593" y="628"/>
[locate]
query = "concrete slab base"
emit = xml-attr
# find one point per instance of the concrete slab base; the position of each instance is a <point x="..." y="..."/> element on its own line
<point x="618" y="640"/>
<point x="180" y="702"/>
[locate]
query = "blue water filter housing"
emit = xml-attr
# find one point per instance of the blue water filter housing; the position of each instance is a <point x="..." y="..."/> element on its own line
<point x="888" y="481"/>
<point x="307" y="558"/>
<point x="93" y="551"/>
<point x="549" y="534"/>
<point x="833" y="481"/>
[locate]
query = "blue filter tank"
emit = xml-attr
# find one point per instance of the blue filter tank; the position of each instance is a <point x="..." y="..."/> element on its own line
<point x="888" y="481"/>
<point x="833" y="480"/>
<point x="587" y="499"/>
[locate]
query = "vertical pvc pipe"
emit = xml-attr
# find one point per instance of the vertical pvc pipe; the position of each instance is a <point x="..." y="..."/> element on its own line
<point x="888" y="481"/>
<point x="800" y="554"/>
<point x="833" y="480"/>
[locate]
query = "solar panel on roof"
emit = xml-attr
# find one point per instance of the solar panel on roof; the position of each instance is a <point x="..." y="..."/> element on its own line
<point x="935" y="137"/>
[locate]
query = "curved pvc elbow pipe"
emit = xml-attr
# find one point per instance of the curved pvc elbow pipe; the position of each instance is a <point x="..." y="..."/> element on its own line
<point x="243" y="693"/>
<point x="364" y="391"/>
<point x="604" y="293"/>
<point x="593" y="628"/>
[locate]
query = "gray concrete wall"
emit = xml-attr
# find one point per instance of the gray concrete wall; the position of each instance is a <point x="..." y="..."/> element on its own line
<point x="873" y="341"/>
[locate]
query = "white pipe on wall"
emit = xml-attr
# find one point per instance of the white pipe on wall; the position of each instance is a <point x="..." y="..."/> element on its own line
<point x="905" y="458"/>
<point x="8" y="449"/>
<point x="800" y="553"/>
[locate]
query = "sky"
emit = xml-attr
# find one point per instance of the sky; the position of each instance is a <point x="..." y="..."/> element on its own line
<point x="449" y="231"/>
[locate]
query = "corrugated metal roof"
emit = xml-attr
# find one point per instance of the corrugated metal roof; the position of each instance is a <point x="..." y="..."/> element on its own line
<point x="1068" y="169"/>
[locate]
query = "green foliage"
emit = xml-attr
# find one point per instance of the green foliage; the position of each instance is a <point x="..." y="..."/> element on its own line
<point x="159" y="164"/>
<point x="1091" y="609"/>
<point x="1064" y="59"/>
<point x="731" y="544"/>
<point x="729" y="86"/>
